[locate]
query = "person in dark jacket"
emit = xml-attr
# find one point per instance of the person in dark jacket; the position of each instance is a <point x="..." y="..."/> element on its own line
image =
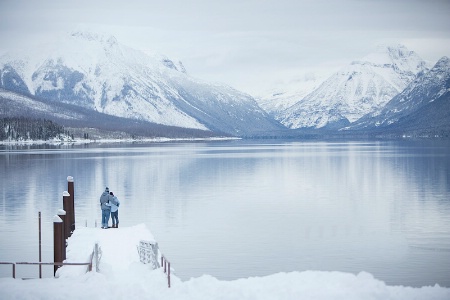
<point x="106" y="208"/>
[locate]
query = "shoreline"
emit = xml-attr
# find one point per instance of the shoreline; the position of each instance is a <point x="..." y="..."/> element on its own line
<point x="110" y="141"/>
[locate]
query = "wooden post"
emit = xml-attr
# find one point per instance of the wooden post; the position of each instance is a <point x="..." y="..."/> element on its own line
<point x="67" y="206"/>
<point x="70" y="189"/>
<point x="168" y="274"/>
<point x="40" y="247"/>
<point x="63" y="216"/>
<point x="57" y="244"/>
<point x="97" y="260"/>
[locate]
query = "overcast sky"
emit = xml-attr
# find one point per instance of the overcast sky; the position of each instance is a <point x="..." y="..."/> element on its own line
<point x="248" y="44"/>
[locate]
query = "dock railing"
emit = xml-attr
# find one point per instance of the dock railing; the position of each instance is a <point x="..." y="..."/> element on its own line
<point x="148" y="254"/>
<point x="13" y="267"/>
<point x="166" y="264"/>
<point x="88" y="264"/>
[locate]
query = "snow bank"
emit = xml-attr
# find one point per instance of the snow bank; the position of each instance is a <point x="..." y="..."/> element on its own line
<point x="122" y="276"/>
<point x="147" y="284"/>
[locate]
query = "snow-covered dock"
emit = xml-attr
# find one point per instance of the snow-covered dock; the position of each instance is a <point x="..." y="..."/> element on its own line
<point x="117" y="250"/>
<point x="121" y="275"/>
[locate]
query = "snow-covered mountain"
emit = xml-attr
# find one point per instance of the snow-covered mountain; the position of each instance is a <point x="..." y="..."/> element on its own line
<point x="94" y="71"/>
<point x="286" y="94"/>
<point x="424" y="103"/>
<point x="362" y="87"/>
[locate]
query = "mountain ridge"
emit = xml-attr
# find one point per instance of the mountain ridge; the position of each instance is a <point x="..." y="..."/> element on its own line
<point x="361" y="87"/>
<point x="91" y="80"/>
<point x="98" y="73"/>
<point x="424" y="90"/>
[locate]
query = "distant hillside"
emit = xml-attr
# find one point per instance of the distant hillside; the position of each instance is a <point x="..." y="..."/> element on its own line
<point x="77" y="118"/>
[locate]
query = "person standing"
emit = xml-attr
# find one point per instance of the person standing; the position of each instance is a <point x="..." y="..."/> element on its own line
<point x="114" y="202"/>
<point x="106" y="208"/>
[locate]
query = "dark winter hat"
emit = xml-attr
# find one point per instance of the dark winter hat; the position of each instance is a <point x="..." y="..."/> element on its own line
<point x="111" y="193"/>
<point x="107" y="189"/>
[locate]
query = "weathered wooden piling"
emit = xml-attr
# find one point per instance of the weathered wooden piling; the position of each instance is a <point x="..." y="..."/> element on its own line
<point x="63" y="216"/>
<point x="67" y="207"/>
<point x="57" y="243"/>
<point x="40" y="245"/>
<point x="71" y="190"/>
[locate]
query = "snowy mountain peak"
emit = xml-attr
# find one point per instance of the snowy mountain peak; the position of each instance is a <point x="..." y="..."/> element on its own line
<point x="93" y="37"/>
<point x="423" y="101"/>
<point x="393" y="51"/>
<point x="102" y="44"/>
<point x="364" y="86"/>
<point x="397" y="57"/>
<point x="443" y="63"/>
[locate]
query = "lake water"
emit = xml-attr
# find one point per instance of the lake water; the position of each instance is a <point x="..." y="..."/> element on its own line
<point x="236" y="209"/>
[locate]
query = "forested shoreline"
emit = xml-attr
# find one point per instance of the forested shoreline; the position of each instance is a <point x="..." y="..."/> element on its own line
<point x="23" y="129"/>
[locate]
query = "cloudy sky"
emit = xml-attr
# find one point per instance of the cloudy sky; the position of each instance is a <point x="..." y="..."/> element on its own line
<point x="249" y="44"/>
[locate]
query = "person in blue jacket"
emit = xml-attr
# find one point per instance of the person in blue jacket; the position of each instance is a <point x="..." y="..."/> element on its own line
<point x="106" y="208"/>
<point x="114" y="203"/>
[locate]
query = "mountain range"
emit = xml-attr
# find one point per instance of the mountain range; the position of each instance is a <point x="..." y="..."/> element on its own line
<point x="362" y="87"/>
<point x="91" y="80"/>
<point x="97" y="73"/>
<point x="423" y="105"/>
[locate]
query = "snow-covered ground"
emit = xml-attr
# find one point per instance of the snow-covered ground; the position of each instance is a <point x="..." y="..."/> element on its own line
<point x="122" y="276"/>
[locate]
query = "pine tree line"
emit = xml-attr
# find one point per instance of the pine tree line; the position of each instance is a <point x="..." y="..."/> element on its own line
<point x="21" y="128"/>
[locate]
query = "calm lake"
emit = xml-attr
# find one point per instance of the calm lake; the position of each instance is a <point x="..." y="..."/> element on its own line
<point x="236" y="209"/>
